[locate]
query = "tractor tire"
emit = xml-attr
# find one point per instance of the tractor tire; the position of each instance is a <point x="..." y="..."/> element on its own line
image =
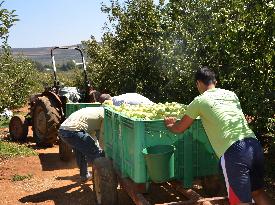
<point x="18" y="128"/>
<point x="104" y="182"/>
<point x="65" y="151"/>
<point x="46" y="121"/>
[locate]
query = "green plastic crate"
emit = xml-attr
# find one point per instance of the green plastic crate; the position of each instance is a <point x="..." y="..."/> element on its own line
<point x="202" y="162"/>
<point x="125" y="138"/>
<point x="137" y="135"/>
<point x="72" y="107"/>
<point x="111" y="137"/>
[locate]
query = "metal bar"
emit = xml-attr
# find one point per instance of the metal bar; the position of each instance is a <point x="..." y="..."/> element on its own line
<point x="194" y="197"/>
<point x="189" y="193"/>
<point x="221" y="200"/>
<point x="133" y="190"/>
<point x="204" y="201"/>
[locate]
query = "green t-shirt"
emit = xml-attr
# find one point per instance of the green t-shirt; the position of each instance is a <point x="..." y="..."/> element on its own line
<point x="222" y="118"/>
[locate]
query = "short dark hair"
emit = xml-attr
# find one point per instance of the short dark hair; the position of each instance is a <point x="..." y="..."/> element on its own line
<point x="205" y="75"/>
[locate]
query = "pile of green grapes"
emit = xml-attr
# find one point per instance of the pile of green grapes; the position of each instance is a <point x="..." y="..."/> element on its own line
<point x="151" y="112"/>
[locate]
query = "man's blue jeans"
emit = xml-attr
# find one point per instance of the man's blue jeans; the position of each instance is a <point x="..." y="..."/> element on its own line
<point x="85" y="147"/>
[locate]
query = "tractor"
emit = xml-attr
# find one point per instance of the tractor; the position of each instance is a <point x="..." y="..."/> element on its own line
<point x="47" y="109"/>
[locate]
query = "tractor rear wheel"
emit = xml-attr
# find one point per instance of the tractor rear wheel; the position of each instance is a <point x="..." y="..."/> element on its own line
<point x="18" y="128"/>
<point x="65" y="151"/>
<point x="46" y="121"/>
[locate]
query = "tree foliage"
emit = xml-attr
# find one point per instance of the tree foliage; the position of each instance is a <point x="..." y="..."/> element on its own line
<point x="154" y="49"/>
<point x="7" y="20"/>
<point x="19" y="79"/>
<point x="236" y="38"/>
<point x="136" y="46"/>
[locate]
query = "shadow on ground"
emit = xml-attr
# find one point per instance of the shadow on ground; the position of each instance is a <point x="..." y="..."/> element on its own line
<point x="71" y="195"/>
<point x="73" y="178"/>
<point x="51" y="161"/>
<point x="83" y="195"/>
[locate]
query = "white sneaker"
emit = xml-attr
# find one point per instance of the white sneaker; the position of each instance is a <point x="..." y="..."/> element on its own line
<point x="87" y="178"/>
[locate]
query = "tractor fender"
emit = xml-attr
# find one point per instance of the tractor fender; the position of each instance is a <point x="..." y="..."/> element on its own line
<point x="32" y="100"/>
<point x="52" y="96"/>
<point x="55" y="100"/>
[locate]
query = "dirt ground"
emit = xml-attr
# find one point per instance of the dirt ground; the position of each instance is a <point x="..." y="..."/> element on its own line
<point x="54" y="182"/>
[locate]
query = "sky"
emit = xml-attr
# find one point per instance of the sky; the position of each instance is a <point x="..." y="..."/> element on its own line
<point x="48" y="23"/>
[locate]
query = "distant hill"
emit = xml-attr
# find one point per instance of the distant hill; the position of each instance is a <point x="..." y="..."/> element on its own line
<point x="43" y="55"/>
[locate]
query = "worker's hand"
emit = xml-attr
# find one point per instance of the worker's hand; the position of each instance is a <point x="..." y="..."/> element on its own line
<point x="169" y="121"/>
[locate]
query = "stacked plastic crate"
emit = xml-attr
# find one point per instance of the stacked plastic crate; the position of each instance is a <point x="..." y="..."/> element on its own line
<point x="125" y="138"/>
<point x="72" y="107"/>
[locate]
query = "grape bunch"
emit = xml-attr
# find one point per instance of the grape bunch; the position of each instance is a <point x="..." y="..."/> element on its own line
<point x="151" y="112"/>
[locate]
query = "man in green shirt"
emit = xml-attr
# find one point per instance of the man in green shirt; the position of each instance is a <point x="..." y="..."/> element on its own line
<point x="240" y="153"/>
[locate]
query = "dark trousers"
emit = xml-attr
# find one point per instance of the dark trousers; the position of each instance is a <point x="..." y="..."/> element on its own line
<point x="85" y="147"/>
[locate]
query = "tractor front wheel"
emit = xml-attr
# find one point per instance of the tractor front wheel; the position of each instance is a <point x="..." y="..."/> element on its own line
<point x="46" y="121"/>
<point x="18" y="128"/>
